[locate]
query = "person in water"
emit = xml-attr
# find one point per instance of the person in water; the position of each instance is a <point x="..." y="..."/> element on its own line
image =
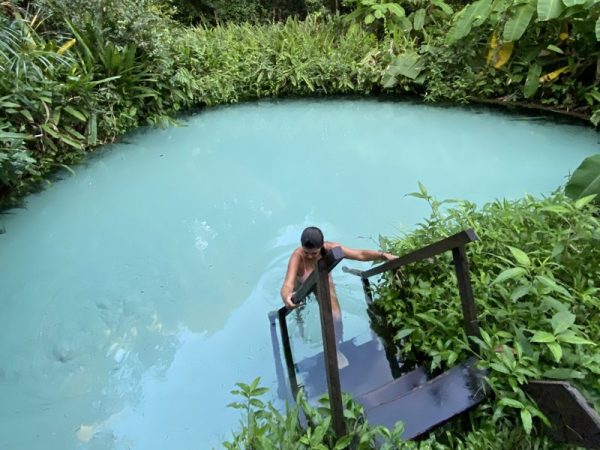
<point x="304" y="260"/>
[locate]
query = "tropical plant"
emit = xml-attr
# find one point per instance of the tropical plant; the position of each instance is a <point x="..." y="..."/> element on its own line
<point x="535" y="280"/>
<point x="585" y="180"/>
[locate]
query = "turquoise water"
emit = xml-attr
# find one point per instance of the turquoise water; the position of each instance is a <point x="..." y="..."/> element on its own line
<point x="135" y="293"/>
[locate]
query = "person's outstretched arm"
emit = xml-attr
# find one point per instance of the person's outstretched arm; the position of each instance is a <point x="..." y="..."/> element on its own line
<point x="365" y="254"/>
<point x="289" y="283"/>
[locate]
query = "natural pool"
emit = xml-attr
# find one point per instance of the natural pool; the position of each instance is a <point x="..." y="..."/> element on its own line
<point x="135" y="294"/>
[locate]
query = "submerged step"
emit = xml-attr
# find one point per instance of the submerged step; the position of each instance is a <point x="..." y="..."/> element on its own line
<point x="368" y="368"/>
<point x="433" y="403"/>
<point x="394" y="389"/>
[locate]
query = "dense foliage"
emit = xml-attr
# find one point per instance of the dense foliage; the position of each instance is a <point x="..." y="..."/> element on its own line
<point x="536" y="281"/>
<point x="77" y="74"/>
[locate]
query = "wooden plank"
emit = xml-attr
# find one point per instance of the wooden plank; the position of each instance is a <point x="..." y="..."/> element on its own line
<point x="369" y="368"/>
<point x="456" y="240"/>
<point x="433" y="403"/>
<point x="287" y="353"/>
<point x="282" y="390"/>
<point x="461" y="265"/>
<point x="330" y="351"/>
<point x="573" y="419"/>
<point x="394" y="389"/>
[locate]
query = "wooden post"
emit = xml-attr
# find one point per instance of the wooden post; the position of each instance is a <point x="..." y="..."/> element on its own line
<point x="367" y="289"/>
<point x="330" y="352"/>
<point x="287" y="352"/>
<point x="461" y="265"/>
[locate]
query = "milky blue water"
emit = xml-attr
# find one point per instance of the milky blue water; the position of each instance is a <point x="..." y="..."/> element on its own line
<point x="135" y="293"/>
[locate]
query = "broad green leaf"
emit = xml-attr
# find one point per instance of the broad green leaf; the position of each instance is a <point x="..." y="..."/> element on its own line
<point x="533" y="80"/>
<point x="586" y="179"/>
<point x="561" y="321"/>
<point x="526" y="419"/>
<point x="512" y="403"/>
<point x="563" y="374"/>
<point x="549" y="9"/>
<point x="408" y="64"/>
<point x="570" y="3"/>
<point x="471" y="15"/>
<point x="508" y="274"/>
<point x="419" y="19"/>
<point x="598" y="29"/>
<point x="553" y="285"/>
<point x="556" y="350"/>
<point x="520" y="256"/>
<point x="542" y="337"/>
<point x="519" y="292"/>
<point x="570" y="338"/>
<point x="554" y="304"/>
<point x="518" y="23"/>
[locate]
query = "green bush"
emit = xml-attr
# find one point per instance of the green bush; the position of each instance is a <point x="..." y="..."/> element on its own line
<point x="536" y="282"/>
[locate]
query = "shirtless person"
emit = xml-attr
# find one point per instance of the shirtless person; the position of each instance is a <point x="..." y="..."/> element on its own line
<point x="304" y="260"/>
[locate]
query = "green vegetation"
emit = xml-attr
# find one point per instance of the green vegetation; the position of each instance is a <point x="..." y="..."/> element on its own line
<point x="78" y="74"/>
<point x="535" y="279"/>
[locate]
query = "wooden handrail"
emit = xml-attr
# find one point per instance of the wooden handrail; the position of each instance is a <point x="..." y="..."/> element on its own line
<point x="444" y="245"/>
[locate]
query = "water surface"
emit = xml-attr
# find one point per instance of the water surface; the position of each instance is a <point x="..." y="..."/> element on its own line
<point x="134" y="294"/>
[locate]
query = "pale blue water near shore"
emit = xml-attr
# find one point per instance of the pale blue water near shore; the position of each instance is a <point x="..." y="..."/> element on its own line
<point x="134" y="294"/>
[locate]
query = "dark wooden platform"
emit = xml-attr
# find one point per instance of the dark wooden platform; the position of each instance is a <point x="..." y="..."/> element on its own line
<point x="573" y="419"/>
<point x="432" y="403"/>
<point x="421" y="403"/>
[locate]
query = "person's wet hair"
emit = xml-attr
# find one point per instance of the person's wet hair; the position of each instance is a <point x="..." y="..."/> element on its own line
<point x="312" y="238"/>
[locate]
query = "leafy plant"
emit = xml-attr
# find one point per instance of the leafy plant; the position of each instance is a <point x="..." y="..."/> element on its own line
<point x="535" y="281"/>
<point x="585" y="181"/>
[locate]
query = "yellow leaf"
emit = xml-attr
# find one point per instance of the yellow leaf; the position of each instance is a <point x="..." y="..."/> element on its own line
<point x="66" y="46"/>
<point x="553" y="75"/>
<point x="498" y="55"/>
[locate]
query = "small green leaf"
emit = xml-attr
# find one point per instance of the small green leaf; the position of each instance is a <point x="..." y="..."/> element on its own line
<point x="520" y="256"/>
<point x="75" y="113"/>
<point x="419" y="19"/>
<point x="556" y="350"/>
<point x="519" y="291"/>
<point x="555" y="49"/>
<point x="542" y="337"/>
<point x="343" y="442"/>
<point x="585" y="200"/>
<point x="403" y="333"/>
<point x="508" y="274"/>
<point x="526" y="419"/>
<point x="561" y="321"/>
<point x="571" y="338"/>
<point x="512" y="403"/>
<point x="532" y="83"/>
<point x="563" y="374"/>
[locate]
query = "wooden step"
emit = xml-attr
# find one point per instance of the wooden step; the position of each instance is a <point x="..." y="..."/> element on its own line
<point x="368" y="369"/>
<point x="394" y="389"/>
<point x="433" y="403"/>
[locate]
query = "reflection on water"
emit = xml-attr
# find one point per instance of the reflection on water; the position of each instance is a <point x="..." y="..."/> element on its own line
<point x="134" y="294"/>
